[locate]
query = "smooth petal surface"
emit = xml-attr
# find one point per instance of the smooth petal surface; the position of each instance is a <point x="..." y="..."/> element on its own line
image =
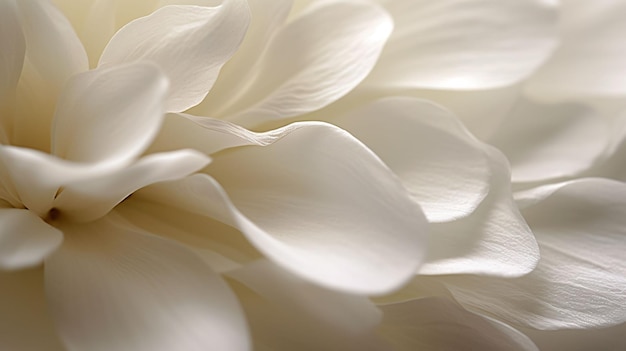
<point x="109" y="115"/>
<point x="25" y="324"/>
<point x="91" y="198"/>
<point x="303" y="316"/>
<point x="316" y="202"/>
<point x="25" y="239"/>
<point x="443" y="166"/>
<point x="550" y="141"/>
<point x="589" y="63"/>
<point x="441" y="324"/>
<point x="493" y="240"/>
<point x="310" y="62"/>
<point x="580" y="279"/>
<point x="189" y="43"/>
<point x="112" y="288"/>
<point x="53" y="48"/>
<point x="460" y="44"/>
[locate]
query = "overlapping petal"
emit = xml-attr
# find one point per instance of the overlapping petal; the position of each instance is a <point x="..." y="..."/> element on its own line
<point x="110" y="287"/>
<point x="315" y="201"/>
<point x="439" y="324"/>
<point x="443" y="166"/>
<point x="109" y="115"/>
<point x="589" y="62"/>
<point x="493" y="240"/>
<point x="460" y="44"/>
<point x="545" y="142"/>
<point x="189" y="43"/>
<point x="310" y="62"/>
<point x="580" y="279"/>
<point x="25" y="239"/>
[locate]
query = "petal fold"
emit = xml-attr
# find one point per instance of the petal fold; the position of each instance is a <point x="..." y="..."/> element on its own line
<point x="25" y="239"/>
<point x="109" y="115"/>
<point x="189" y="43"/>
<point x="580" y="280"/>
<point x="438" y="160"/>
<point x="111" y="287"/>
<point x="318" y="203"/>
<point x="310" y="62"/>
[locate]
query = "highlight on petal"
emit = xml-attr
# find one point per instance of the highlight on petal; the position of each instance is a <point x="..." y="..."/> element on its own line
<point x="25" y="239"/>
<point x="26" y="323"/>
<point x="440" y="324"/>
<point x="189" y="43"/>
<point x="310" y="62"/>
<point x="493" y="240"/>
<point x="551" y="141"/>
<point x="303" y="316"/>
<point x="443" y="166"/>
<point x="317" y="202"/>
<point x="110" y="287"/>
<point x="109" y="115"/>
<point x="461" y="44"/>
<point x="53" y="48"/>
<point x="93" y="197"/>
<point x="581" y="277"/>
<point x="589" y="62"/>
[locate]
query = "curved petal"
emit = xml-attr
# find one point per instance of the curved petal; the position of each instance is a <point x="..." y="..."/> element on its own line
<point x="189" y="43"/>
<point x="581" y="277"/>
<point x="580" y="340"/>
<point x="109" y="115"/>
<point x="550" y="141"/>
<point x="53" y="47"/>
<point x="25" y="239"/>
<point x="589" y="63"/>
<point x="309" y="63"/>
<point x="441" y="324"/>
<point x="316" y="202"/>
<point x="25" y="323"/>
<point x="303" y="316"/>
<point x="53" y="54"/>
<point x="11" y="61"/>
<point x="113" y="288"/>
<point x="460" y="44"/>
<point x="91" y="198"/>
<point x="438" y="160"/>
<point x="493" y="240"/>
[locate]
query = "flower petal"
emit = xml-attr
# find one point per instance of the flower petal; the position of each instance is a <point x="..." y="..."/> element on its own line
<point x="309" y="63"/>
<point x="303" y="316"/>
<point x="11" y="61"/>
<point x="461" y="44"/>
<point x="25" y="323"/>
<point x="316" y="202"/>
<point x="589" y="63"/>
<point x="113" y="288"/>
<point x="189" y="43"/>
<point x="580" y="340"/>
<point x="109" y="115"/>
<point x="580" y="279"/>
<point x="550" y="141"/>
<point x="25" y="239"/>
<point x="53" y="47"/>
<point x="494" y="240"/>
<point x="438" y="160"/>
<point x="441" y="324"/>
<point x="92" y="198"/>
